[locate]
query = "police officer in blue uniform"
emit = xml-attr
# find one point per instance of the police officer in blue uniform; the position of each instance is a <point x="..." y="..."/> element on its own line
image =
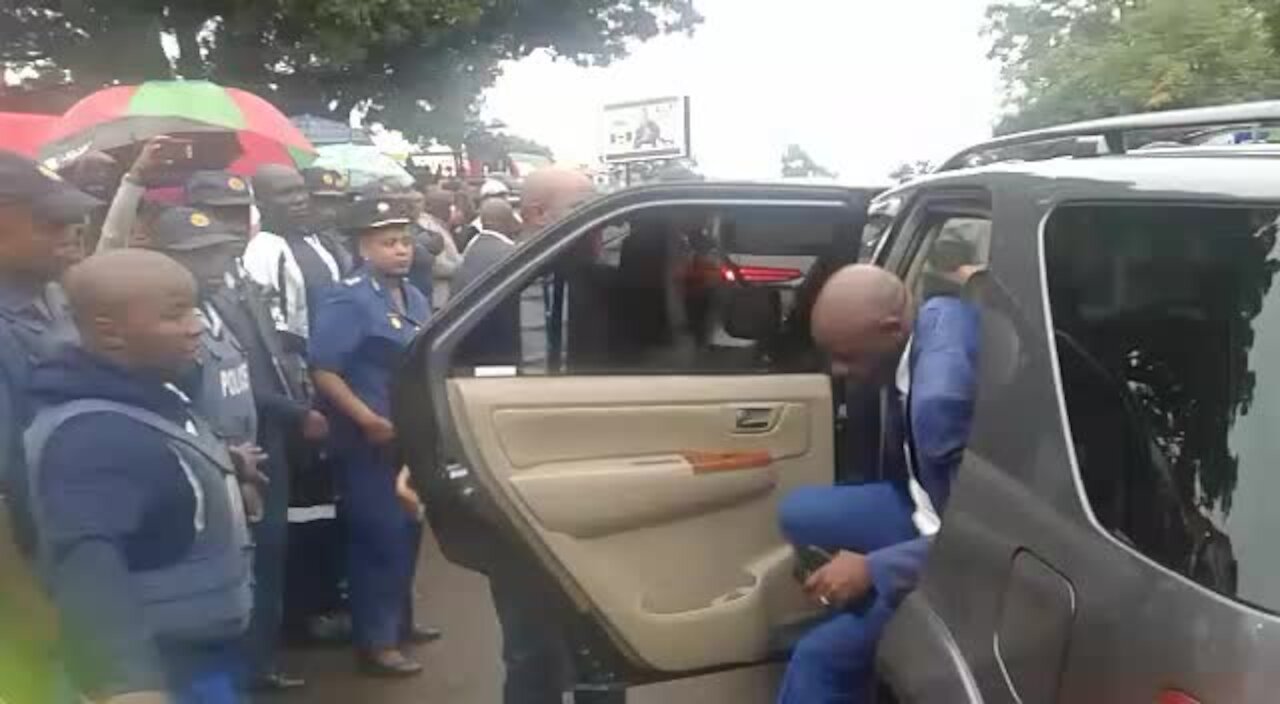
<point x="361" y="329"/>
<point x="38" y="216"/>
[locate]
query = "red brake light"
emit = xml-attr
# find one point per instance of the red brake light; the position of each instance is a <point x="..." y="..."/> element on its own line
<point x="1171" y="696"/>
<point x="759" y="274"/>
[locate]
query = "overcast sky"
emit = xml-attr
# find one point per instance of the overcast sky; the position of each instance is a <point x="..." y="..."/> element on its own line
<point x="861" y="84"/>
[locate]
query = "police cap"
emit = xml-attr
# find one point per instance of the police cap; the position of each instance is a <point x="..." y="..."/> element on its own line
<point x="187" y="229"/>
<point x="218" y="188"/>
<point x="50" y="198"/>
<point x="371" y="213"/>
<point x="325" y="182"/>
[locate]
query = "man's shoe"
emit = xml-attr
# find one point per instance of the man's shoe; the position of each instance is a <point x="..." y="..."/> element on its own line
<point x="275" y="682"/>
<point x="421" y="635"/>
<point x="389" y="664"/>
<point x="330" y="628"/>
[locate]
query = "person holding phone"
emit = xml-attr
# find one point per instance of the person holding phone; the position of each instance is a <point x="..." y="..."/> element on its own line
<point x="129" y="217"/>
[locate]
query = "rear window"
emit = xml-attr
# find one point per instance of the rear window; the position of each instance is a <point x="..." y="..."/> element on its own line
<point x="1167" y="325"/>
<point x="775" y="231"/>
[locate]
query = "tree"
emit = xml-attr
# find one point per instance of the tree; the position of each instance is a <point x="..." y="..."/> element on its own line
<point x="416" y="65"/>
<point x="1064" y="60"/>
<point x="796" y="163"/>
<point x="910" y="170"/>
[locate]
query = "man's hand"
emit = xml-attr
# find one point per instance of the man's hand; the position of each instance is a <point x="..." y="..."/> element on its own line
<point x="248" y="459"/>
<point x="409" y="498"/>
<point x="378" y="430"/>
<point x="315" y="427"/>
<point x="255" y="507"/>
<point x="152" y="158"/>
<point x="846" y="578"/>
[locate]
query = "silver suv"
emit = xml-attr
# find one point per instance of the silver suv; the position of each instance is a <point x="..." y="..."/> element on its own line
<point x="1107" y="536"/>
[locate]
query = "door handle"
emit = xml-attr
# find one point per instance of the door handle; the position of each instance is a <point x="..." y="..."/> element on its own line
<point x="754" y="419"/>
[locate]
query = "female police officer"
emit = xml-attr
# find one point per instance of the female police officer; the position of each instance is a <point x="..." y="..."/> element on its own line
<point x="360" y="330"/>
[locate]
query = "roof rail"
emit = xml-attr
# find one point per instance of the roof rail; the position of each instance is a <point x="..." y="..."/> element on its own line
<point x="1113" y="129"/>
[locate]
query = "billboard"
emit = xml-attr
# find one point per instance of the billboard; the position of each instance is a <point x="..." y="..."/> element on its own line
<point x="646" y="129"/>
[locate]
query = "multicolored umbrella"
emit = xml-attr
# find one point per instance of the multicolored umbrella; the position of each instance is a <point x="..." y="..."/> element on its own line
<point x="362" y="163"/>
<point x="123" y="115"/>
<point x="23" y="133"/>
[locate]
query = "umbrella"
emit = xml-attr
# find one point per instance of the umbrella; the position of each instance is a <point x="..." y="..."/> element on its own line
<point x="24" y="133"/>
<point x="362" y="163"/>
<point x="321" y="131"/>
<point x="123" y="115"/>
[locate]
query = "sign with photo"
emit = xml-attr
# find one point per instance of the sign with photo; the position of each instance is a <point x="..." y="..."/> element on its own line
<point x="646" y="129"/>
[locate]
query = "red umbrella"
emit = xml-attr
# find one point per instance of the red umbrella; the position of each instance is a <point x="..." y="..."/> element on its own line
<point x="123" y="115"/>
<point x="24" y="133"/>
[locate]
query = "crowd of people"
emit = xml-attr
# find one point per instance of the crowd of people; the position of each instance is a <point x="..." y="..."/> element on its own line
<point x="195" y="392"/>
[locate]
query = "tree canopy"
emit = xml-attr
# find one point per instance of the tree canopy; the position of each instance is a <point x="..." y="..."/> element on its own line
<point x="416" y="65"/>
<point x="1064" y="60"/>
<point x="796" y="163"/>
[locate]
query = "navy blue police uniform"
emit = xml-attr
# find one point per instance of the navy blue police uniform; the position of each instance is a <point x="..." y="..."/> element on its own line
<point x="359" y="334"/>
<point x="34" y="326"/>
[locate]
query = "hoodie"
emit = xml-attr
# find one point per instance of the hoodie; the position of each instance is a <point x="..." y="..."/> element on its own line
<point x="111" y="499"/>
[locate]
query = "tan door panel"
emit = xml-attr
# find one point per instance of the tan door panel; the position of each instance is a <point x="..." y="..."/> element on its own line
<point x="657" y="498"/>
<point x="592" y="498"/>
<point x="567" y="432"/>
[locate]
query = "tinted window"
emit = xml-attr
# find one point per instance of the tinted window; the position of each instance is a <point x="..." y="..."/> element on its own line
<point x="1168" y="337"/>
<point x="670" y="291"/>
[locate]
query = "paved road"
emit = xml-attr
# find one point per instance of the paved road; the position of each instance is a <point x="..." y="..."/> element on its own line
<point x="466" y="667"/>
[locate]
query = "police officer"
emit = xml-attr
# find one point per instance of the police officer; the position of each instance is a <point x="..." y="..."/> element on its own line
<point x="330" y="196"/>
<point x="224" y="197"/>
<point x="142" y="535"/>
<point x="38" y="217"/>
<point x="361" y="329"/>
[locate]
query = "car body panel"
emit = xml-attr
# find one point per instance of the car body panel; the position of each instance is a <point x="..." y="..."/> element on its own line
<point x="1137" y="629"/>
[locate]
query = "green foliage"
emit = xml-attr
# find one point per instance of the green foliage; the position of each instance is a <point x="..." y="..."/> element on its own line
<point x="796" y="163"/>
<point x="417" y="65"/>
<point x="1064" y="60"/>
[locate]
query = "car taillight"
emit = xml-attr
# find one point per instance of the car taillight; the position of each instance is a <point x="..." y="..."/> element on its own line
<point x="759" y="274"/>
<point x="1171" y="696"/>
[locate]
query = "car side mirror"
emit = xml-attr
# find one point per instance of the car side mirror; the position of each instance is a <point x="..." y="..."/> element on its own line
<point x="753" y="313"/>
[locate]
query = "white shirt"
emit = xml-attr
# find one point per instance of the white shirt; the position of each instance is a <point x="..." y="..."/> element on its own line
<point x="269" y="257"/>
<point x="925" y="516"/>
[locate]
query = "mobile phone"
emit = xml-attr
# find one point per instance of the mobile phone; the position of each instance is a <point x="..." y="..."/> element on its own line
<point x="177" y="151"/>
<point x="810" y="559"/>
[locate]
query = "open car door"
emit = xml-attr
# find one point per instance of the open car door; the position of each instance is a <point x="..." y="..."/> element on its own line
<point x="664" y="398"/>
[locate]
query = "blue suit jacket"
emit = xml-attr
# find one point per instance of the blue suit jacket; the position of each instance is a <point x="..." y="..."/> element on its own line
<point x="944" y="379"/>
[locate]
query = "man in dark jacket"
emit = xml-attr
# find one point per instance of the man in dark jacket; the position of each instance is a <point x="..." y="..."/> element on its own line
<point x="143" y="541"/>
<point x="253" y="393"/>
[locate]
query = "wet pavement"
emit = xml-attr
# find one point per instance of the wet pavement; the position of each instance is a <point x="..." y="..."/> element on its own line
<point x="465" y="667"/>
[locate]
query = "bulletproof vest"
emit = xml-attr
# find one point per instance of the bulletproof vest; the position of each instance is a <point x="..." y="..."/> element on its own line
<point x="224" y="396"/>
<point x="205" y="596"/>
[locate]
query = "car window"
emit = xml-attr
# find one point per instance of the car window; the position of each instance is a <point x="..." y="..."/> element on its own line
<point x="1167" y="328"/>
<point x="674" y="290"/>
<point x="955" y="246"/>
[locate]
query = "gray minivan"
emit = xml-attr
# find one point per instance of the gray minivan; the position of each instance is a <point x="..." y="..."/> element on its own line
<point x="1106" y="539"/>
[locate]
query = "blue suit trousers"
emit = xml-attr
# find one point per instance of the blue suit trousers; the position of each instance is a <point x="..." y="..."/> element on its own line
<point x="835" y="662"/>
